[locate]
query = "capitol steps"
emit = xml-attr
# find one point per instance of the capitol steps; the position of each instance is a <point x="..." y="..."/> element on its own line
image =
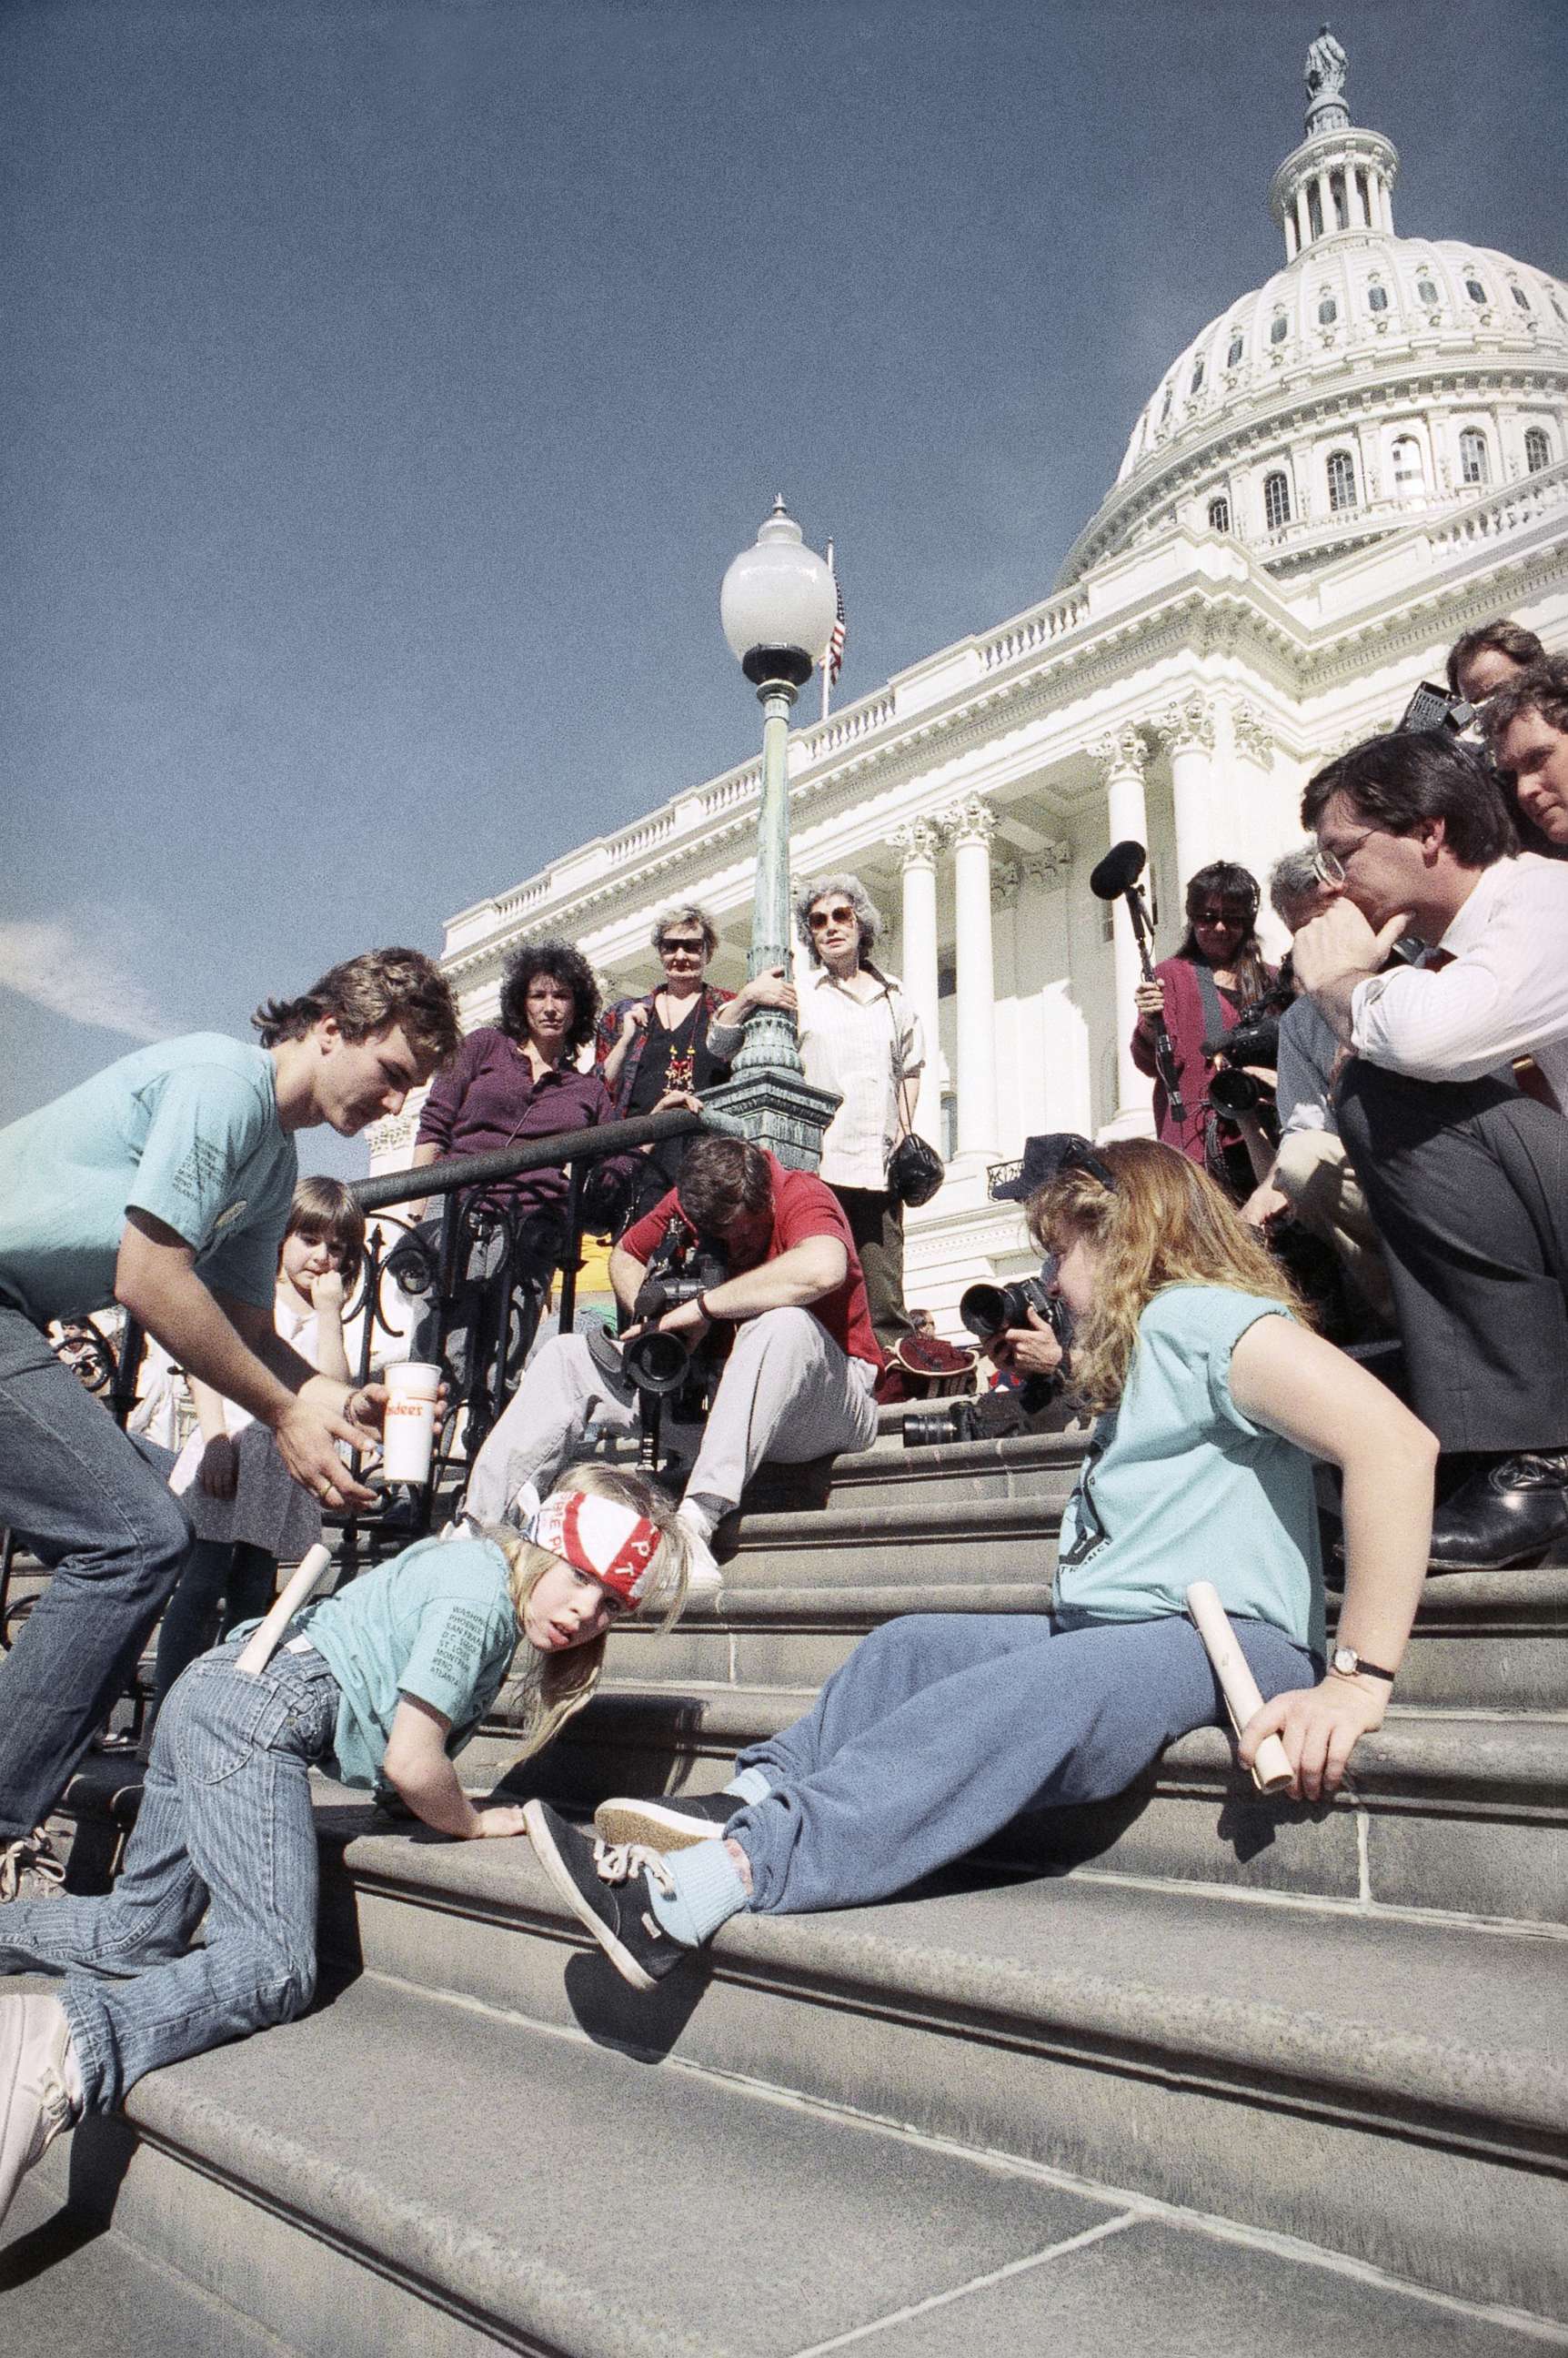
<point x="1283" y="2054"/>
<point x="615" y="2194"/>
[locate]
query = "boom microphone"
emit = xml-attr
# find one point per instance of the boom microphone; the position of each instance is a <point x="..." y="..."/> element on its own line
<point x="1121" y="868"/>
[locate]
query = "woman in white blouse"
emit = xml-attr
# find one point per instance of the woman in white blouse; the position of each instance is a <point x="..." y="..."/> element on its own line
<point x="859" y="1035"/>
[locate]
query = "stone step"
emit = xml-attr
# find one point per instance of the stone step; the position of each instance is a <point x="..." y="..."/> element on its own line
<point x="68" y="2286"/>
<point x="1457" y="1816"/>
<point x="1379" y="2086"/>
<point x="1490" y="1641"/>
<point x="326" y="2180"/>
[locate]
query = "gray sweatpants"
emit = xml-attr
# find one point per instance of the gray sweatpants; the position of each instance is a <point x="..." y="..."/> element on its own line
<point x="942" y="1727"/>
<point x="787" y="1393"/>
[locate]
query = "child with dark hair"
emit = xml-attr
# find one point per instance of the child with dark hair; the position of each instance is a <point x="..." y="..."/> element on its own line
<point x="248" y="1516"/>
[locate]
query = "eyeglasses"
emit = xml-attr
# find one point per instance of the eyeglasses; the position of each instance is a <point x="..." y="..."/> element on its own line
<point x="1237" y="916"/>
<point x="821" y="917"/>
<point x="684" y="947"/>
<point x="1328" y="867"/>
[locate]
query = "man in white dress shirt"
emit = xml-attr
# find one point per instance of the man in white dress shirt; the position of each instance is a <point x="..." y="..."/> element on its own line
<point x="1451" y="1108"/>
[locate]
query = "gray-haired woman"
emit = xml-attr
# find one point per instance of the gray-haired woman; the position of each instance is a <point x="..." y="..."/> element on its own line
<point x="859" y="1035"/>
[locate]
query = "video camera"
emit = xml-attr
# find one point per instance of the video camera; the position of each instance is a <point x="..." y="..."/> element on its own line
<point x="664" y="1366"/>
<point x="988" y="1309"/>
<point x="1438" y="708"/>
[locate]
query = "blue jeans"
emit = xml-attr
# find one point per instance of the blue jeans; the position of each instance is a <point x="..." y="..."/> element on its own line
<point x="226" y="1829"/>
<point x="942" y="1727"/>
<point x="101" y="1515"/>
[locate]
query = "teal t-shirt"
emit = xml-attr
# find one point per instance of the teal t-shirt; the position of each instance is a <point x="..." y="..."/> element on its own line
<point x="1179" y="1486"/>
<point x="438" y="1623"/>
<point x="186" y="1130"/>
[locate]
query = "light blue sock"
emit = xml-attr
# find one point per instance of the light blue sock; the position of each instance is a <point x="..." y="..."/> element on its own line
<point x="707" y="1892"/>
<point x="750" y="1784"/>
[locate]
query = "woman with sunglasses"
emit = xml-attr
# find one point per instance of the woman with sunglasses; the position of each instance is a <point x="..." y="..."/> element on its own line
<point x="657" y="1050"/>
<point x="1217" y="973"/>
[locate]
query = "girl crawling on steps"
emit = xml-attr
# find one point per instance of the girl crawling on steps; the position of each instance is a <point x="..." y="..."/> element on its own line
<point x="387" y="1679"/>
<point x="1213" y="1401"/>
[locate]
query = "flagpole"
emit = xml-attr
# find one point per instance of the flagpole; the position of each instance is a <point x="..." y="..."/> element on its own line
<point x="828" y="658"/>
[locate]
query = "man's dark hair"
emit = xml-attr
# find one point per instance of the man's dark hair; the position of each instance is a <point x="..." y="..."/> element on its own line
<point x="369" y="994"/>
<point x="1543" y="689"/>
<point x="563" y="963"/>
<point x="1503" y="638"/>
<point x="719" y="1177"/>
<point x="1397" y="782"/>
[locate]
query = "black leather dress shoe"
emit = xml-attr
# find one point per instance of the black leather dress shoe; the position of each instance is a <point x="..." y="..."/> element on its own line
<point x="1508" y="1512"/>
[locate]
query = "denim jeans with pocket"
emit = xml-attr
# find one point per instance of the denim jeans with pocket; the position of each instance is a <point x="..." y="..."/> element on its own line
<point x="941" y="1727"/>
<point x="226" y="1830"/>
<point x="101" y="1514"/>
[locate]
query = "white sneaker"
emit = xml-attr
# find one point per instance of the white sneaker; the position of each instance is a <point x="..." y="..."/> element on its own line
<point x="34" y="2102"/>
<point x="703" y="1577"/>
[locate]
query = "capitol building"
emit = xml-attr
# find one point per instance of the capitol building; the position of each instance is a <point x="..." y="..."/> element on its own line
<point x="1356" y="461"/>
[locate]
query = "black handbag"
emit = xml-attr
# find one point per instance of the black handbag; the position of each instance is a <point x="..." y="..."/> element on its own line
<point x="915" y="1171"/>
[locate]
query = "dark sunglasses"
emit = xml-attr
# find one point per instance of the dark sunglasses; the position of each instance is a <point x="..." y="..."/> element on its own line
<point x="693" y="948"/>
<point x="821" y="917"/>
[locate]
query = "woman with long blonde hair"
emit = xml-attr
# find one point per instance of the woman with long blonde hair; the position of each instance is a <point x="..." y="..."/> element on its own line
<point x="385" y="1681"/>
<point x="1212" y="1399"/>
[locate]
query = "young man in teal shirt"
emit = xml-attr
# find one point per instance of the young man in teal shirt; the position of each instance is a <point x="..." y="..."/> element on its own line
<point x="164" y="1185"/>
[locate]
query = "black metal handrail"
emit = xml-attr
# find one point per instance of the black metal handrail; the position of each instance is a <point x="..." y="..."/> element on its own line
<point x="522" y="1252"/>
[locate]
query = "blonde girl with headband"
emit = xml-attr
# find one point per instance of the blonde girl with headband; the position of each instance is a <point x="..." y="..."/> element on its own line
<point x="381" y="1684"/>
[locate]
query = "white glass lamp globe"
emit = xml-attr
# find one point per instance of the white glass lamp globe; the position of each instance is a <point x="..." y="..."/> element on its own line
<point x="778" y="594"/>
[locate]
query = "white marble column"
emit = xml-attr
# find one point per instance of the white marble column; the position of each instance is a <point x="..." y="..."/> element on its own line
<point x="973" y="823"/>
<point x="1189" y="724"/>
<point x="1124" y="759"/>
<point x="1304" y="219"/>
<point x="1325" y="203"/>
<point x="917" y="844"/>
<point x="1251" y="772"/>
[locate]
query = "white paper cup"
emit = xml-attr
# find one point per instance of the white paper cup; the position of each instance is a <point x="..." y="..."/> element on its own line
<point x="409" y="1433"/>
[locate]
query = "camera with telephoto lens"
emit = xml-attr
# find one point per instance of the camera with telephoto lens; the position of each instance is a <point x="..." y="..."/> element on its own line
<point x="987" y="1310"/>
<point x="1254" y="1041"/>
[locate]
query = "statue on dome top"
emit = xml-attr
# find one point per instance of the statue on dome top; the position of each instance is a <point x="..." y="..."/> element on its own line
<point x="1326" y="65"/>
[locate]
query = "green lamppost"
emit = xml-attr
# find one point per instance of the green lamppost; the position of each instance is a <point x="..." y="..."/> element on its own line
<point x="778" y="608"/>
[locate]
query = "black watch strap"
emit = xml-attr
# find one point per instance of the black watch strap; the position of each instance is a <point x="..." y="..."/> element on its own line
<point x="1363" y="1669"/>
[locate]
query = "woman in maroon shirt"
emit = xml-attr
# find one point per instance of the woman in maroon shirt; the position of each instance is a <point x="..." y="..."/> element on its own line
<point x="510" y="1080"/>
<point x="1200" y="991"/>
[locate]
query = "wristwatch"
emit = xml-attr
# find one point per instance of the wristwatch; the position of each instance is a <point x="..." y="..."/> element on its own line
<point x="1350" y="1664"/>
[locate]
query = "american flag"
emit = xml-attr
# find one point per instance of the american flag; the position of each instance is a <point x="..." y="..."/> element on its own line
<point x="840" y="639"/>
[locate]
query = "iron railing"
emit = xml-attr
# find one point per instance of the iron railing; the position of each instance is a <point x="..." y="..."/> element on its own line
<point x="414" y="1277"/>
<point x="400" y="1274"/>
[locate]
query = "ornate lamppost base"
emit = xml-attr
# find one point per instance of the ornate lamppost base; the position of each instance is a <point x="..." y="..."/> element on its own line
<point x="775" y="1109"/>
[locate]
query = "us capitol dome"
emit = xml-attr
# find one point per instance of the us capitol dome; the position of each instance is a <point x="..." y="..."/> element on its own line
<point x="1374" y="381"/>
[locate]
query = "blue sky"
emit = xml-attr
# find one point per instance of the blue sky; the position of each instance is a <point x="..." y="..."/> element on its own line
<point x="387" y="387"/>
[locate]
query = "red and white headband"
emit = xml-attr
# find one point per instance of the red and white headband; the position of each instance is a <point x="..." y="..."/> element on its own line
<point x="614" y="1542"/>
